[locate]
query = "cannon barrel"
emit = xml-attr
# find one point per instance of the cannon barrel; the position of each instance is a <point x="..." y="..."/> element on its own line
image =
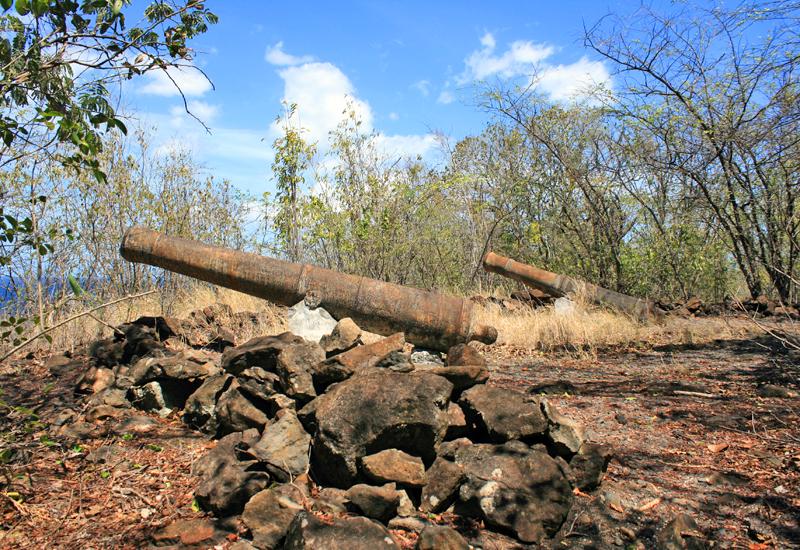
<point x="561" y="285"/>
<point x="429" y="319"/>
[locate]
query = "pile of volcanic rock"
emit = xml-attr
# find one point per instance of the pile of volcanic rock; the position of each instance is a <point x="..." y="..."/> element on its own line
<point x="338" y="444"/>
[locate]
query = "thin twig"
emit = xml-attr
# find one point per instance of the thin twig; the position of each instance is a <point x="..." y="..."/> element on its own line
<point x="69" y="320"/>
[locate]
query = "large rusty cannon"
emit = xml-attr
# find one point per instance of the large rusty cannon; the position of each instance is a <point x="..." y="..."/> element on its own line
<point x="431" y="320"/>
<point x="561" y="285"/>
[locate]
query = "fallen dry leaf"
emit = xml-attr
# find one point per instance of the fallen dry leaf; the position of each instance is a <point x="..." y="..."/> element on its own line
<point x="650" y="504"/>
<point x="717" y="447"/>
<point x="579" y="493"/>
<point x="617" y="507"/>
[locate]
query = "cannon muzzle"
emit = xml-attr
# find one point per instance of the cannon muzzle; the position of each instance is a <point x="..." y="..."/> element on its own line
<point x="561" y="285"/>
<point x="431" y="320"/>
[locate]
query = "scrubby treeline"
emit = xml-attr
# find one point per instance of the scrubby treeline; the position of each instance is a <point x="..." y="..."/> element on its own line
<point x="680" y="181"/>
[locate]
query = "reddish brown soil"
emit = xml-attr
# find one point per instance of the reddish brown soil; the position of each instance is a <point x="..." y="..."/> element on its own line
<point x="731" y="462"/>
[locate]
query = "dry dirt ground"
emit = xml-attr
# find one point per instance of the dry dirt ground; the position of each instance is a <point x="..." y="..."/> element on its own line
<point x="718" y="450"/>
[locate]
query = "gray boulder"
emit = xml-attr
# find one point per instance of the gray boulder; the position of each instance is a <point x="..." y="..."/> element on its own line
<point x="589" y="465"/>
<point x="515" y="489"/>
<point x="564" y="435"/>
<point x="392" y="465"/>
<point x="236" y="413"/>
<point x="227" y="483"/>
<point x="344" y="533"/>
<point x="361" y="358"/>
<point x="186" y="365"/>
<point x="444" y="479"/>
<point x="441" y="537"/>
<point x="199" y="411"/>
<point x="345" y="335"/>
<point x="376" y="411"/>
<point x="380" y="503"/>
<point x="294" y="369"/>
<point x="504" y="414"/>
<point x="269" y="514"/>
<point x="261" y="351"/>
<point x="283" y="448"/>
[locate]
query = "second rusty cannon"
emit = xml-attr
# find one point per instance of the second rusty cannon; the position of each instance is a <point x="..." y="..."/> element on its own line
<point x="561" y="285"/>
<point x="428" y="319"/>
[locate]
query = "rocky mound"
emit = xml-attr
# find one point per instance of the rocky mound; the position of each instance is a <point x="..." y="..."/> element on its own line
<point x="345" y="445"/>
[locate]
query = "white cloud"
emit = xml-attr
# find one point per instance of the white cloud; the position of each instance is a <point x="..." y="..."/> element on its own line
<point x="520" y="58"/>
<point x="407" y="145"/>
<point x="394" y="116"/>
<point x="322" y="93"/>
<point x="191" y="82"/>
<point x="488" y="41"/>
<point x="276" y="56"/>
<point x="574" y="81"/>
<point x="446" y="97"/>
<point x="422" y="86"/>
<point x="528" y="59"/>
<point x="202" y="110"/>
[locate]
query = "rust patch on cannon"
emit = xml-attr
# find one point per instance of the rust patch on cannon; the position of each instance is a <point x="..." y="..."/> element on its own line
<point x="561" y="285"/>
<point x="428" y="319"/>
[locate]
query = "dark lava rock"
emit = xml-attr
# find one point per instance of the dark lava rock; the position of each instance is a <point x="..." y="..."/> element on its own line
<point x="462" y="377"/>
<point x="589" y="466"/>
<point x="346" y="533"/>
<point x="186" y="365"/>
<point x="283" y="448"/>
<point x="294" y="368"/>
<point x="227" y="482"/>
<point x="156" y="398"/>
<point x="564" y="435"/>
<point x="379" y="503"/>
<point x="199" y="410"/>
<point x="444" y="479"/>
<point x="440" y="537"/>
<point x="515" y="489"/>
<point x="269" y="514"/>
<point x="343" y="366"/>
<point x="463" y="354"/>
<point x="457" y="422"/>
<point x="397" y="361"/>
<point x="392" y="465"/>
<point x="504" y="414"/>
<point x="345" y="335"/>
<point x="235" y="412"/>
<point x="261" y="351"/>
<point x="376" y="411"/>
<point x="448" y="449"/>
<point x="331" y="501"/>
<point x="108" y="352"/>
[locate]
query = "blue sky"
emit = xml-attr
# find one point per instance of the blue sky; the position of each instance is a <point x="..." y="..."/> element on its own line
<point x="409" y="67"/>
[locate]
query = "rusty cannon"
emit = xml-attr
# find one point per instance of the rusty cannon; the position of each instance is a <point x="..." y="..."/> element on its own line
<point x="561" y="285"/>
<point x="428" y="319"/>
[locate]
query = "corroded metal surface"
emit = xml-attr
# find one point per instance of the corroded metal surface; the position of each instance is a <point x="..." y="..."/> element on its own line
<point x="561" y="285"/>
<point x="428" y="319"/>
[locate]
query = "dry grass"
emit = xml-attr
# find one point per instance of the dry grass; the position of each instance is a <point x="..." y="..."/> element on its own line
<point x="86" y="329"/>
<point x="588" y="329"/>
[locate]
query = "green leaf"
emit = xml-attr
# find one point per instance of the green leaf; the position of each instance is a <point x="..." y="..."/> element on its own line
<point x="39" y="7"/>
<point x="23" y="7"/>
<point x="6" y="4"/>
<point x="74" y="285"/>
